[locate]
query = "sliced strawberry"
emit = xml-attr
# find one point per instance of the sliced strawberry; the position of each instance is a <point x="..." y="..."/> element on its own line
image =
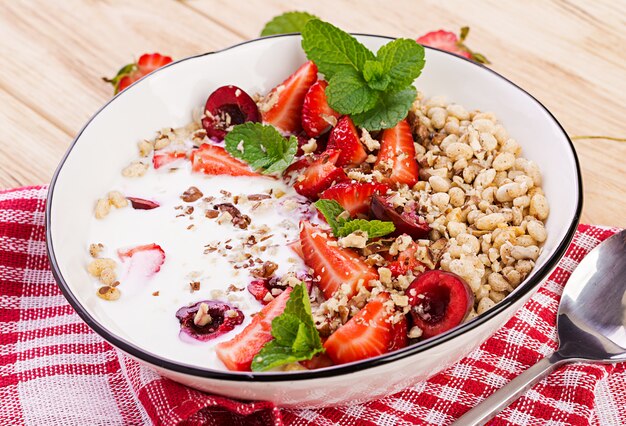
<point x="161" y="159"/>
<point x="406" y="261"/>
<point x="142" y="204"/>
<point x="399" y="335"/>
<point x="143" y="261"/>
<point x="397" y="153"/>
<point x="317" y="115"/>
<point x="297" y="248"/>
<point x="132" y="72"/>
<point x="332" y="264"/>
<point x="214" y="160"/>
<point x="321" y="174"/>
<point x="345" y="138"/>
<point x="237" y="354"/>
<point x="367" y="334"/>
<point x="445" y="40"/>
<point x="282" y="107"/>
<point x="149" y="62"/>
<point x="355" y="197"/>
<point x="318" y="361"/>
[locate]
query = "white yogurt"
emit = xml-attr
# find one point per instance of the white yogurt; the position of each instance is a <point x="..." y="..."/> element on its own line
<point x="149" y="321"/>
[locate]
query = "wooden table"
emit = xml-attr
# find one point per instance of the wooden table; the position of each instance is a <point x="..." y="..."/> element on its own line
<point x="567" y="53"/>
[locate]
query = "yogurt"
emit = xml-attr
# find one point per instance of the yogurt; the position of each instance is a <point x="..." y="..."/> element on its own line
<point x="197" y="249"/>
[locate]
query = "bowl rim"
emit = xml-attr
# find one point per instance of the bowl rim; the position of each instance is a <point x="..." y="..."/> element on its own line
<point x="178" y="367"/>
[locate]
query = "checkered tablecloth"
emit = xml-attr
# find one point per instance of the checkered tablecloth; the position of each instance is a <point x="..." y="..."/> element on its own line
<point x="55" y="371"/>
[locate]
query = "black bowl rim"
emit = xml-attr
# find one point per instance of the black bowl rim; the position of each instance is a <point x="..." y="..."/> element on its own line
<point x="335" y="371"/>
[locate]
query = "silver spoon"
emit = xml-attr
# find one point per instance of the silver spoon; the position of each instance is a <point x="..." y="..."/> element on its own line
<point x="591" y="325"/>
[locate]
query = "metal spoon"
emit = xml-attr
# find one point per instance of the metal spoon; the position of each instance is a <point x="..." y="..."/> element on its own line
<point x="591" y="325"/>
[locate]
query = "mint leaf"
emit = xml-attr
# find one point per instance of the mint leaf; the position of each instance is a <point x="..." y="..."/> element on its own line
<point x="261" y="146"/>
<point x="294" y="332"/>
<point x="402" y="60"/>
<point x="331" y="209"/>
<point x="388" y="111"/>
<point x="348" y="93"/>
<point x="342" y="227"/>
<point x="374" y="74"/>
<point x="332" y="49"/>
<point x="374" y="228"/>
<point x="288" y="22"/>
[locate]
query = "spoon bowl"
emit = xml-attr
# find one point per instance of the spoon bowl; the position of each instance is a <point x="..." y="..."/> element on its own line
<point x="591" y="324"/>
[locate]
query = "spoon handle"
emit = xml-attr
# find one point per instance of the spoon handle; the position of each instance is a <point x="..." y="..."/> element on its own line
<point x="491" y="406"/>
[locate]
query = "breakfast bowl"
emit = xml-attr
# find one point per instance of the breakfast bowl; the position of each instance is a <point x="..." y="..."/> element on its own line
<point x="166" y="99"/>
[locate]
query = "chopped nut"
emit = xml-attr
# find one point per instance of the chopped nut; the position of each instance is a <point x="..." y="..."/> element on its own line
<point x="135" y="169"/>
<point x="194" y="286"/>
<point x="202" y="317"/>
<point x="95" y="249"/>
<point x="266" y="270"/>
<point x="357" y="239"/>
<point x="96" y="266"/>
<point x="117" y="199"/>
<point x="191" y="195"/>
<point x="108" y="293"/>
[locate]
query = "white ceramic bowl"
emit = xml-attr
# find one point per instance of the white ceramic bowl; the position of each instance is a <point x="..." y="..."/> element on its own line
<point x="166" y="98"/>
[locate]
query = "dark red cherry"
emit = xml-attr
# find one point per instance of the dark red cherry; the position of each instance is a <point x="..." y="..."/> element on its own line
<point x="228" y="106"/>
<point x="439" y="301"/>
<point x="223" y="318"/>
<point x="407" y="220"/>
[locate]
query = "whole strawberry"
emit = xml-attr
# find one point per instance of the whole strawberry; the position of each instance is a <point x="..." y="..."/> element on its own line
<point x="445" y="40"/>
<point x="130" y="73"/>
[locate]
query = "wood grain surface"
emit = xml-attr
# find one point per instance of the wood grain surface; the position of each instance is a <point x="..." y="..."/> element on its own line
<point x="568" y="53"/>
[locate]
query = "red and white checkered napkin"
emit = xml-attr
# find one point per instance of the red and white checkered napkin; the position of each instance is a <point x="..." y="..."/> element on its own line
<point x="55" y="370"/>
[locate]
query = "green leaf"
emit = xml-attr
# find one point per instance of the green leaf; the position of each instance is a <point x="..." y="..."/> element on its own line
<point x="294" y="332"/>
<point x="332" y="49"/>
<point x="402" y="60"/>
<point x="388" y="111"/>
<point x="375" y="76"/>
<point x="331" y="209"/>
<point x="288" y="22"/>
<point x="348" y="93"/>
<point x="273" y="355"/>
<point x="374" y="228"/>
<point x="463" y="34"/>
<point x="261" y="146"/>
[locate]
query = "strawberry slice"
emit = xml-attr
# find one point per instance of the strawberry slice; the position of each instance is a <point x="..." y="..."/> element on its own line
<point x="317" y="115"/>
<point x="332" y="264"/>
<point x="397" y="153"/>
<point x="320" y="175"/>
<point x="282" y="107"/>
<point x="144" y="261"/>
<point x="132" y="72"/>
<point x="214" y="160"/>
<point x="345" y="138"/>
<point x="149" y="62"/>
<point x="354" y="197"/>
<point x="161" y="159"/>
<point x="445" y="40"/>
<point x="367" y="334"/>
<point x="237" y="354"/>
<point x="318" y="361"/>
<point x="406" y="261"/>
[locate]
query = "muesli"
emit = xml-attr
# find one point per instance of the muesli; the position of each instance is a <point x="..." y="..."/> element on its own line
<point x="274" y="232"/>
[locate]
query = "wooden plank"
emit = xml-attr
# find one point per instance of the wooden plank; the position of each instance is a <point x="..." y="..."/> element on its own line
<point x="30" y="146"/>
<point x="60" y="50"/>
<point x="568" y="54"/>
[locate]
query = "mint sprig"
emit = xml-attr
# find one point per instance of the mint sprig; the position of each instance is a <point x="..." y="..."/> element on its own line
<point x="342" y="227"/>
<point x="375" y="90"/>
<point x="288" y="22"/>
<point x="295" y="336"/>
<point x="261" y="146"/>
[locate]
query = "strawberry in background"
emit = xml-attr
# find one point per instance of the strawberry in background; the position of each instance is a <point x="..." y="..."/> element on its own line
<point x="448" y="41"/>
<point x="130" y="73"/>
